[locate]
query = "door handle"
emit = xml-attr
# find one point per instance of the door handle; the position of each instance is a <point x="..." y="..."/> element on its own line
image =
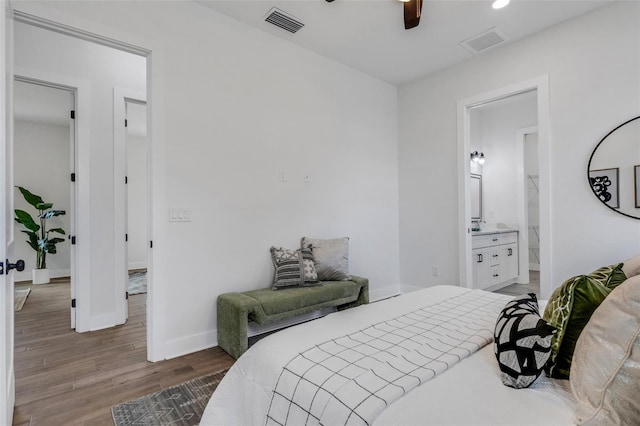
<point x="1" y="268"/>
<point x="18" y="266"/>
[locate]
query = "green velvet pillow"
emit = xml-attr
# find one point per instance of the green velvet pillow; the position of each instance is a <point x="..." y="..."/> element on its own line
<point x="569" y="309"/>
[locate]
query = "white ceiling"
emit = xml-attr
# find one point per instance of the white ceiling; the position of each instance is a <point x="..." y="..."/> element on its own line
<point x="369" y="35"/>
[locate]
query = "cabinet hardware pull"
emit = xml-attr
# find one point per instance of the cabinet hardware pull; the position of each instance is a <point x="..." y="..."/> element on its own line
<point x="496" y="275"/>
<point x="480" y="259"/>
<point x="510" y="251"/>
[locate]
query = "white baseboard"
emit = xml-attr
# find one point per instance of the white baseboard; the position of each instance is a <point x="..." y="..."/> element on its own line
<point x="404" y="288"/>
<point x="383" y="293"/>
<point x="137" y="265"/>
<point x="189" y="344"/>
<point x="54" y="273"/>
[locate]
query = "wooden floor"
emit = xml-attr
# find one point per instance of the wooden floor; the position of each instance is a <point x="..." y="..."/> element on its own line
<point x="64" y="377"/>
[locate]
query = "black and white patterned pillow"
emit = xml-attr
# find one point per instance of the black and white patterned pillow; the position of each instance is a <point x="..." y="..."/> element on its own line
<point x="293" y="268"/>
<point x="522" y="341"/>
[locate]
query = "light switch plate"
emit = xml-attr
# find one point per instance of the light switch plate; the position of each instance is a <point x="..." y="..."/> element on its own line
<point x="179" y="214"/>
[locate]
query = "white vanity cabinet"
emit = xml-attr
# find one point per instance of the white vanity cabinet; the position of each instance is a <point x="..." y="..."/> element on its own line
<point x="495" y="258"/>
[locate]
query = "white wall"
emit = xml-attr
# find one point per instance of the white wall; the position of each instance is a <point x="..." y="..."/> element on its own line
<point x="240" y="107"/>
<point x="593" y="67"/>
<point x="41" y="157"/>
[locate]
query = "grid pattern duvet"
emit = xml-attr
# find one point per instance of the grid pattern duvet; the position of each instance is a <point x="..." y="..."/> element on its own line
<point x="351" y="379"/>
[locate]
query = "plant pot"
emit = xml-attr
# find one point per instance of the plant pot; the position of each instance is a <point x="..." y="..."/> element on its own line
<point x="40" y="276"/>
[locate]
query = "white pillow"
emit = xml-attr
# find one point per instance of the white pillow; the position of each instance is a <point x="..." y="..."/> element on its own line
<point x="631" y="267"/>
<point x="605" y="371"/>
<point x="331" y="257"/>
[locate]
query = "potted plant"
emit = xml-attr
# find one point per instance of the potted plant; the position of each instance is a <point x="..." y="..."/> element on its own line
<point x="38" y="234"/>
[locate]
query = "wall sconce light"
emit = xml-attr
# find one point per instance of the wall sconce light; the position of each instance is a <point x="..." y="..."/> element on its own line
<point x="477" y="157"/>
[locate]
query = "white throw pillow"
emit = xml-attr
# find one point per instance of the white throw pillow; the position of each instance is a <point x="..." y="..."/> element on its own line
<point x="605" y="371"/>
<point x="331" y="257"/>
<point x="631" y="267"/>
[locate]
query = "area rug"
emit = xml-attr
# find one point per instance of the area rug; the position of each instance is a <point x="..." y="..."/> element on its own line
<point x="19" y="297"/>
<point x="178" y="405"/>
<point x="137" y="282"/>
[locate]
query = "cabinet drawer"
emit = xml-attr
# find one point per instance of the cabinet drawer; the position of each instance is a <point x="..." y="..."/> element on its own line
<point x="508" y="238"/>
<point x="495" y="256"/>
<point x="479" y="241"/>
<point x="495" y="275"/>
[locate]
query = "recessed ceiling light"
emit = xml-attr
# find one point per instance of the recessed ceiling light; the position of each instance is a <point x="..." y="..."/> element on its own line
<point x="499" y="4"/>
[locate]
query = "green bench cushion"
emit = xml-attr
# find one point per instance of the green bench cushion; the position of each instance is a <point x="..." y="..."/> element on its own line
<point x="294" y="299"/>
<point x="265" y="306"/>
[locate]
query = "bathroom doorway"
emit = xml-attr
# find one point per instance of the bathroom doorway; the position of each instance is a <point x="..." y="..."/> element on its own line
<point x="502" y="167"/>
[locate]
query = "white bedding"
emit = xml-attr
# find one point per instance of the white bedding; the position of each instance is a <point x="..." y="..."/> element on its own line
<point x="468" y="393"/>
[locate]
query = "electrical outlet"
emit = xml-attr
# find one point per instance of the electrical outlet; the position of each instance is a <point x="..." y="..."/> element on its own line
<point x="434" y="271"/>
<point x="283" y="176"/>
<point x="307" y="178"/>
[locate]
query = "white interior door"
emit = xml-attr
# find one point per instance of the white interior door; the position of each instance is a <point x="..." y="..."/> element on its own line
<point x="7" y="382"/>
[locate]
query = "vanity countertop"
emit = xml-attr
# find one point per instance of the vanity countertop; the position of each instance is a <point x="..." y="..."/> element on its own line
<point x="489" y="231"/>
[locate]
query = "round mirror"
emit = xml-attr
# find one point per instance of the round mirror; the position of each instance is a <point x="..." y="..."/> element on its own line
<point x="614" y="169"/>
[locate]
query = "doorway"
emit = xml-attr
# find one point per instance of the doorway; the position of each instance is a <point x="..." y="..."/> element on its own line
<point x="465" y="110"/>
<point x="100" y="297"/>
<point x="44" y="164"/>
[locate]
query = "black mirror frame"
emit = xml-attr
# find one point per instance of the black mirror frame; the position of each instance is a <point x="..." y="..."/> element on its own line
<point x="589" y="168"/>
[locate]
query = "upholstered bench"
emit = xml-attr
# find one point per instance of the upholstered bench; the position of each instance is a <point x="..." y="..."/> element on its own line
<point x="266" y="306"/>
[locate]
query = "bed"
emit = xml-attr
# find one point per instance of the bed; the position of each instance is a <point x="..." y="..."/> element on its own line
<point x="453" y="378"/>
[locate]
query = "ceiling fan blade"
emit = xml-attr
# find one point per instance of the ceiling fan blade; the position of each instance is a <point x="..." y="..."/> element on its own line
<point x="412" y="11"/>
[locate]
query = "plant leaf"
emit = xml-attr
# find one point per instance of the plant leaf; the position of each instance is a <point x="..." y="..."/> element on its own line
<point x="44" y="206"/>
<point x="58" y="230"/>
<point x="33" y="240"/>
<point x="51" y="213"/>
<point x="56" y="240"/>
<point x="26" y="220"/>
<point x="30" y="198"/>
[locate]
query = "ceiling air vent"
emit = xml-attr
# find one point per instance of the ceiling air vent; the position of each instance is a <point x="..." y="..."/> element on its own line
<point x="283" y="20"/>
<point x="487" y="40"/>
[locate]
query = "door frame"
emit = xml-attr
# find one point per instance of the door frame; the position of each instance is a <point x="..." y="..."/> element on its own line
<point x="81" y="223"/>
<point x="7" y="371"/>
<point x="121" y="96"/>
<point x="464" y="106"/>
<point x="153" y="51"/>
<point x="523" y="203"/>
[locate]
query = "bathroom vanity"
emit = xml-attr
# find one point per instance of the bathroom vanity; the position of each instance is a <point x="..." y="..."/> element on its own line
<point x="495" y="258"/>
